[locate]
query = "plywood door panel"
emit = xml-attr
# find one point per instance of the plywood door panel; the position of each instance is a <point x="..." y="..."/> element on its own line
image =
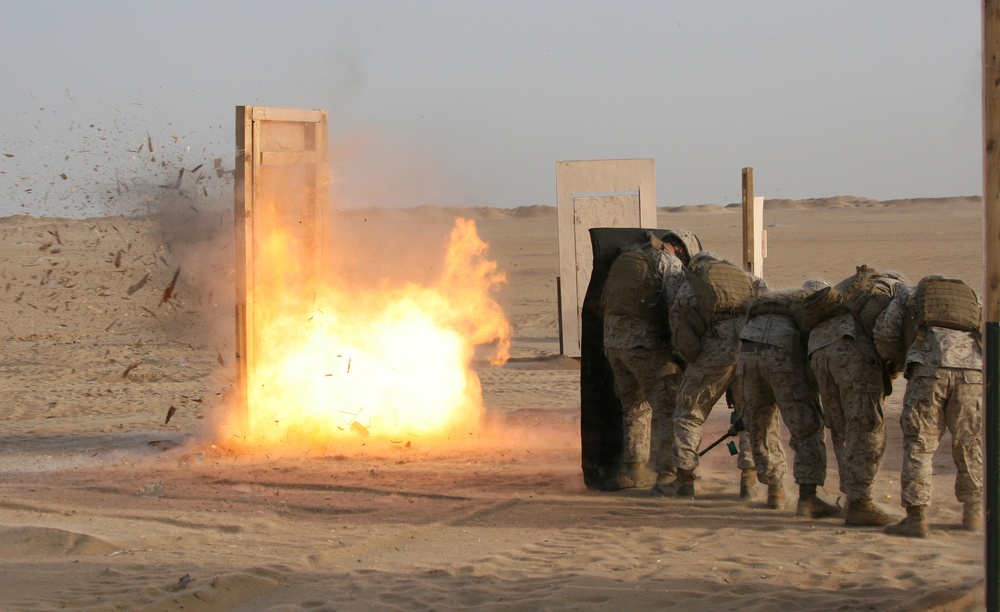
<point x="609" y="183"/>
<point x="597" y="211"/>
<point x="282" y="181"/>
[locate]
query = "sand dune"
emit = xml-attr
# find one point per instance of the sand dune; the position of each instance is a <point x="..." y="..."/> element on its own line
<point x="106" y="505"/>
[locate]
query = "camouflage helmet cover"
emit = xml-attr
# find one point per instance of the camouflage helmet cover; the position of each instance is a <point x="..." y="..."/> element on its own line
<point x="684" y="238"/>
<point x="815" y="284"/>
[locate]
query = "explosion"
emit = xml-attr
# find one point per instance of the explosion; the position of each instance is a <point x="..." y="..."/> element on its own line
<point x="341" y="364"/>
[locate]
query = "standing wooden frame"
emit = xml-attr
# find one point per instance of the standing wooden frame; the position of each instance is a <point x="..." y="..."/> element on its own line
<point x="595" y="193"/>
<point x="282" y="182"/>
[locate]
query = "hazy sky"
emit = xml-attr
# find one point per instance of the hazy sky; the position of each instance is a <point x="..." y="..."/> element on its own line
<point x="473" y="102"/>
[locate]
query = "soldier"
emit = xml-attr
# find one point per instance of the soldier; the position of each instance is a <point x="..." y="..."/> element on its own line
<point x="934" y="332"/>
<point x="706" y="318"/>
<point x="848" y="371"/>
<point x="772" y="375"/>
<point x="640" y="285"/>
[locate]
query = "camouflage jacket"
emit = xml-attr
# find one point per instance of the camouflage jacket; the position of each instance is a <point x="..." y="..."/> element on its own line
<point x="841" y="326"/>
<point x="623" y="331"/>
<point x="721" y="347"/>
<point x="941" y="348"/>
<point x="776" y="330"/>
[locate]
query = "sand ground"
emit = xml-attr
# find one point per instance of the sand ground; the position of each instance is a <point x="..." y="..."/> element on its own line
<point x="104" y="505"/>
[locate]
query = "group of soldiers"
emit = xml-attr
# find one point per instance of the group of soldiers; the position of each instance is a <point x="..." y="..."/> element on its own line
<point x="683" y="327"/>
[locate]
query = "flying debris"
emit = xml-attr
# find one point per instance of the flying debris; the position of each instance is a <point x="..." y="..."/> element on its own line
<point x="169" y="291"/>
<point x="176" y="184"/>
<point x="139" y="285"/>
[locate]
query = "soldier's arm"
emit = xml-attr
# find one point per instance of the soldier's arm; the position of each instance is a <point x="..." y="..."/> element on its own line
<point x="759" y="285"/>
<point x="681" y="297"/>
<point x="671" y="273"/>
<point x="888" y="331"/>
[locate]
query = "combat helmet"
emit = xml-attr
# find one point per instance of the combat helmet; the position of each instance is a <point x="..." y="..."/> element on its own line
<point x="815" y="284"/>
<point x="685" y="239"/>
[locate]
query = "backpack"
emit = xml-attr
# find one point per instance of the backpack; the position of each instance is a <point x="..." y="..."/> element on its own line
<point x="632" y="287"/>
<point x="819" y="306"/>
<point x="867" y="293"/>
<point x="788" y="303"/>
<point x="941" y="302"/>
<point x="721" y="289"/>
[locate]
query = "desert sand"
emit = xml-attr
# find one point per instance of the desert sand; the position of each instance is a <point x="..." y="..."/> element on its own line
<point x="107" y="504"/>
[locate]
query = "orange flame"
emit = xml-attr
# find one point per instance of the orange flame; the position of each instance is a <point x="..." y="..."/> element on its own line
<point x="392" y="364"/>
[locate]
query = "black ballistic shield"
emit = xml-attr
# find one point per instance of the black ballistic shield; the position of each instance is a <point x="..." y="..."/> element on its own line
<point x="601" y="437"/>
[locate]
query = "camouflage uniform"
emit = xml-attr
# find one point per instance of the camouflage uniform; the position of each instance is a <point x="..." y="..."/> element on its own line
<point x="646" y="375"/>
<point x="848" y="371"/>
<point x="772" y="376"/>
<point x="943" y="393"/>
<point x="704" y="382"/>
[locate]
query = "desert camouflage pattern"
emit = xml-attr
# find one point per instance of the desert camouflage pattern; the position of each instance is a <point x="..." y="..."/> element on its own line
<point x="776" y="330"/>
<point x="623" y="331"/>
<point x="671" y="272"/>
<point x="705" y="381"/>
<point x="940" y="400"/>
<point x="646" y="374"/>
<point x="772" y="378"/>
<point x="718" y="346"/>
<point x="841" y="326"/>
<point x="940" y="347"/>
<point x="943" y="394"/>
<point x="849" y="378"/>
<point x="701" y="388"/>
<point x="646" y="382"/>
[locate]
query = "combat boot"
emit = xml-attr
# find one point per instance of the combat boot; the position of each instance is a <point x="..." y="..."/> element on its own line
<point x="776" y="496"/>
<point x="748" y="481"/>
<point x="666" y="484"/>
<point x="864" y="513"/>
<point x="811" y="506"/>
<point x="914" y="525"/>
<point x="685" y="483"/>
<point x="631" y="476"/>
<point x="972" y="517"/>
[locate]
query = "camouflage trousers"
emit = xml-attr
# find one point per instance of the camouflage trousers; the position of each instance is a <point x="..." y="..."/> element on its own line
<point x="939" y="400"/>
<point x="772" y="382"/>
<point x="850" y="387"/>
<point x="646" y="382"/>
<point x="701" y="388"/>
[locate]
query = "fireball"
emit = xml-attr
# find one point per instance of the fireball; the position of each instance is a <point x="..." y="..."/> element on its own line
<point x="341" y="365"/>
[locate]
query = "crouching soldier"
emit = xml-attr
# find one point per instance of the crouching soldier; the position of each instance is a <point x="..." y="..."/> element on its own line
<point x="849" y="373"/>
<point x="706" y="318"/>
<point x="639" y="287"/>
<point x="934" y="332"/>
<point x="772" y="374"/>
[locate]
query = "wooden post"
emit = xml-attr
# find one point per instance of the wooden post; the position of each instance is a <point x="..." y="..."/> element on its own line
<point x="754" y="248"/>
<point x="991" y="298"/>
